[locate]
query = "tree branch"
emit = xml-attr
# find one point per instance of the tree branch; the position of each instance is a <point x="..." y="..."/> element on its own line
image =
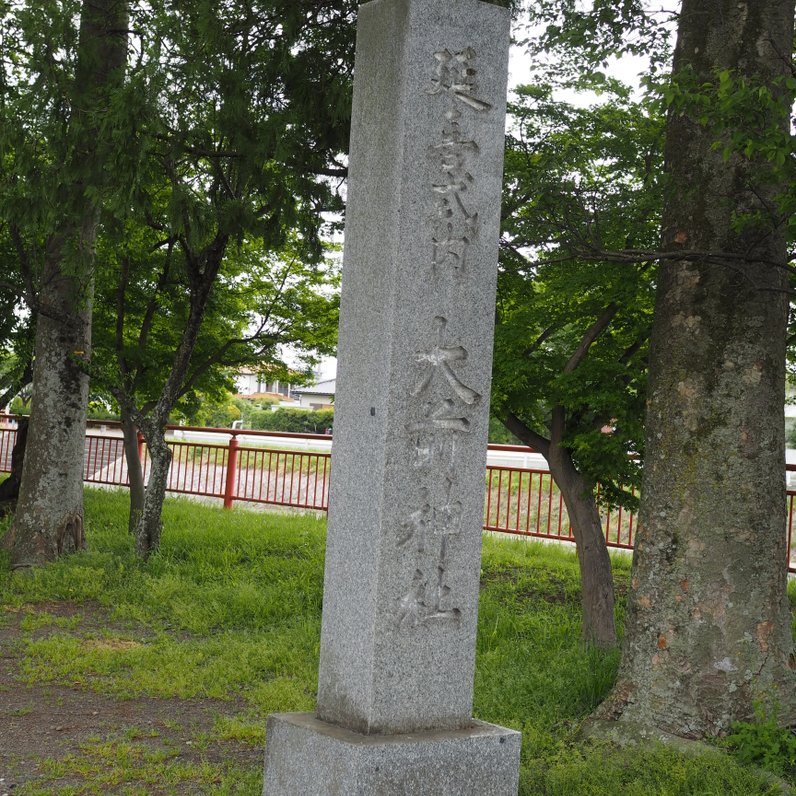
<point x="592" y="333"/>
<point x="124" y="279"/>
<point x="25" y="268"/>
<point x="537" y="344"/>
<point x="530" y="437"/>
<point x="16" y="384"/>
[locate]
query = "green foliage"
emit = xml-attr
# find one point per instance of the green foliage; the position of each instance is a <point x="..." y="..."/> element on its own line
<point x="578" y="40"/>
<point x="749" y="118"/>
<point x="97" y="409"/>
<point x="790" y="437"/>
<point x="581" y="197"/>
<point x="763" y="742"/>
<point x="499" y="434"/>
<point x="213" y="169"/>
<point x="20" y="406"/>
<point x="100" y="410"/>
<point x="259" y="303"/>
<point x="300" y="421"/>
<point x="216" y="414"/>
<point x="603" y="770"/>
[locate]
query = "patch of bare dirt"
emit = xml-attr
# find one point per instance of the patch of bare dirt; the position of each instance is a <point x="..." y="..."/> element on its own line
<point x="49" y="721"/>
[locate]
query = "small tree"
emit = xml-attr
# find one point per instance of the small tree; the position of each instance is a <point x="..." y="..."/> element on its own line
<point x="227" y="140"/>
<point x="259" y="305"/>
<point x="574" y="307"/>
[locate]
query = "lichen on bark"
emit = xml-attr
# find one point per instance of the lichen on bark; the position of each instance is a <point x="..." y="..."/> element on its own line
<point x="708" y="624"/>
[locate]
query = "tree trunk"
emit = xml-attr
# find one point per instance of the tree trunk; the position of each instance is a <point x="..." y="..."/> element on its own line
<point x="135" y="471"/>
<point x="596" y="581"/>
<point x="49" y="516"/>
<point x="708" y="626"/>
<point x="150" y="525"/>
<point x="9" y="489"/>
<point x="153" y="424"/>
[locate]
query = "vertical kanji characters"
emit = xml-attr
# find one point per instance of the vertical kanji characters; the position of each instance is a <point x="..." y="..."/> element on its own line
<point x="455" y="75"/>
<point x="440" y="401"/>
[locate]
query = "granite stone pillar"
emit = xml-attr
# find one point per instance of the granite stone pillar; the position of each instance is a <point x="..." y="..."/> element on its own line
<point x="395" y="688"/>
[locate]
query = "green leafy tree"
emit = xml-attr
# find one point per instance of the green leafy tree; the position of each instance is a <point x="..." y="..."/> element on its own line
<point x="260" y="304"/>
<point x="56" y="144"/>
<point x="216" y="414"/>
<point x="575" y="305"/>
<point x="17" y="321"/>
<point x="232" y="158"/>
<point x="707" y="631"/>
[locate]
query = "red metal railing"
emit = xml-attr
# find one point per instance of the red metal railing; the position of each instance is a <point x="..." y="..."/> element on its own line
<point x="521" y="501"/>
<point x="527" y="502"/>
<point x="7" y="438"/>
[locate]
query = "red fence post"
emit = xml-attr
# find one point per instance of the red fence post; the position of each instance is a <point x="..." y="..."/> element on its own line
<point x="140" y="438"/>
<point x="232" y="471"/>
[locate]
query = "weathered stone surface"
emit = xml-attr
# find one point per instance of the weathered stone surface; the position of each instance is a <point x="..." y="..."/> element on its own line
<point x="395" y="685"/>
<point x="411" y="411"/>
<point x="308" y="756"/>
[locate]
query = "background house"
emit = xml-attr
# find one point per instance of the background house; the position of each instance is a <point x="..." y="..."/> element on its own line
<point x="317" y="396"/>
<point x="249" y="383"/>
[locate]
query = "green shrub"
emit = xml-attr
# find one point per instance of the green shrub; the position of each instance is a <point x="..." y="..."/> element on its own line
<point x="298" y="421"/>
<point x="763" y="743"/>
<point x="217" y="415"/>
<point x="99" y="410"/>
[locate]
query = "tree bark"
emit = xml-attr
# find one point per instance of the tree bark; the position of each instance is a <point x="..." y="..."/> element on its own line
<point x="49" y="516"/>
<point x="9" y="489"/>
<point x="708" y="631"/>
<point x="135" y="470"/>
<point x="150" y="524"/>
<point x="596" y="579"/>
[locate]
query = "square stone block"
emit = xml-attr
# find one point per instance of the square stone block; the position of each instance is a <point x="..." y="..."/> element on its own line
<point x="308" y="757"/>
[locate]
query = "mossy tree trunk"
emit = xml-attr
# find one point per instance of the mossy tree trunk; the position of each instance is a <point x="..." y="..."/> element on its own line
<point x="49" y="516"/>
<point x="708" y="630"/>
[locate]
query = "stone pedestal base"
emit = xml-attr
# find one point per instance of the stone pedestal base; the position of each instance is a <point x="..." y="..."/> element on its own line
<point x="308" y="757"/>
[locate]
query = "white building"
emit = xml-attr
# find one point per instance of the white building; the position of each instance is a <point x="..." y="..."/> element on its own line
<point x="249" y="382"/>
<point x="317" y="396"/>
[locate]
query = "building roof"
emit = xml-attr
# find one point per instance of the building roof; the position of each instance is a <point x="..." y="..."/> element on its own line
<point x="319" y="388"/>
<point x="266" y="369"/>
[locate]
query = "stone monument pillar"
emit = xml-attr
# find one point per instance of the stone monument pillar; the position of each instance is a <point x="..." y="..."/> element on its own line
<point x="403" y="556"/>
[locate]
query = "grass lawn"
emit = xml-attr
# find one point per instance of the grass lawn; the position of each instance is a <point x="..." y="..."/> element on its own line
<point x="130" y="678"/>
